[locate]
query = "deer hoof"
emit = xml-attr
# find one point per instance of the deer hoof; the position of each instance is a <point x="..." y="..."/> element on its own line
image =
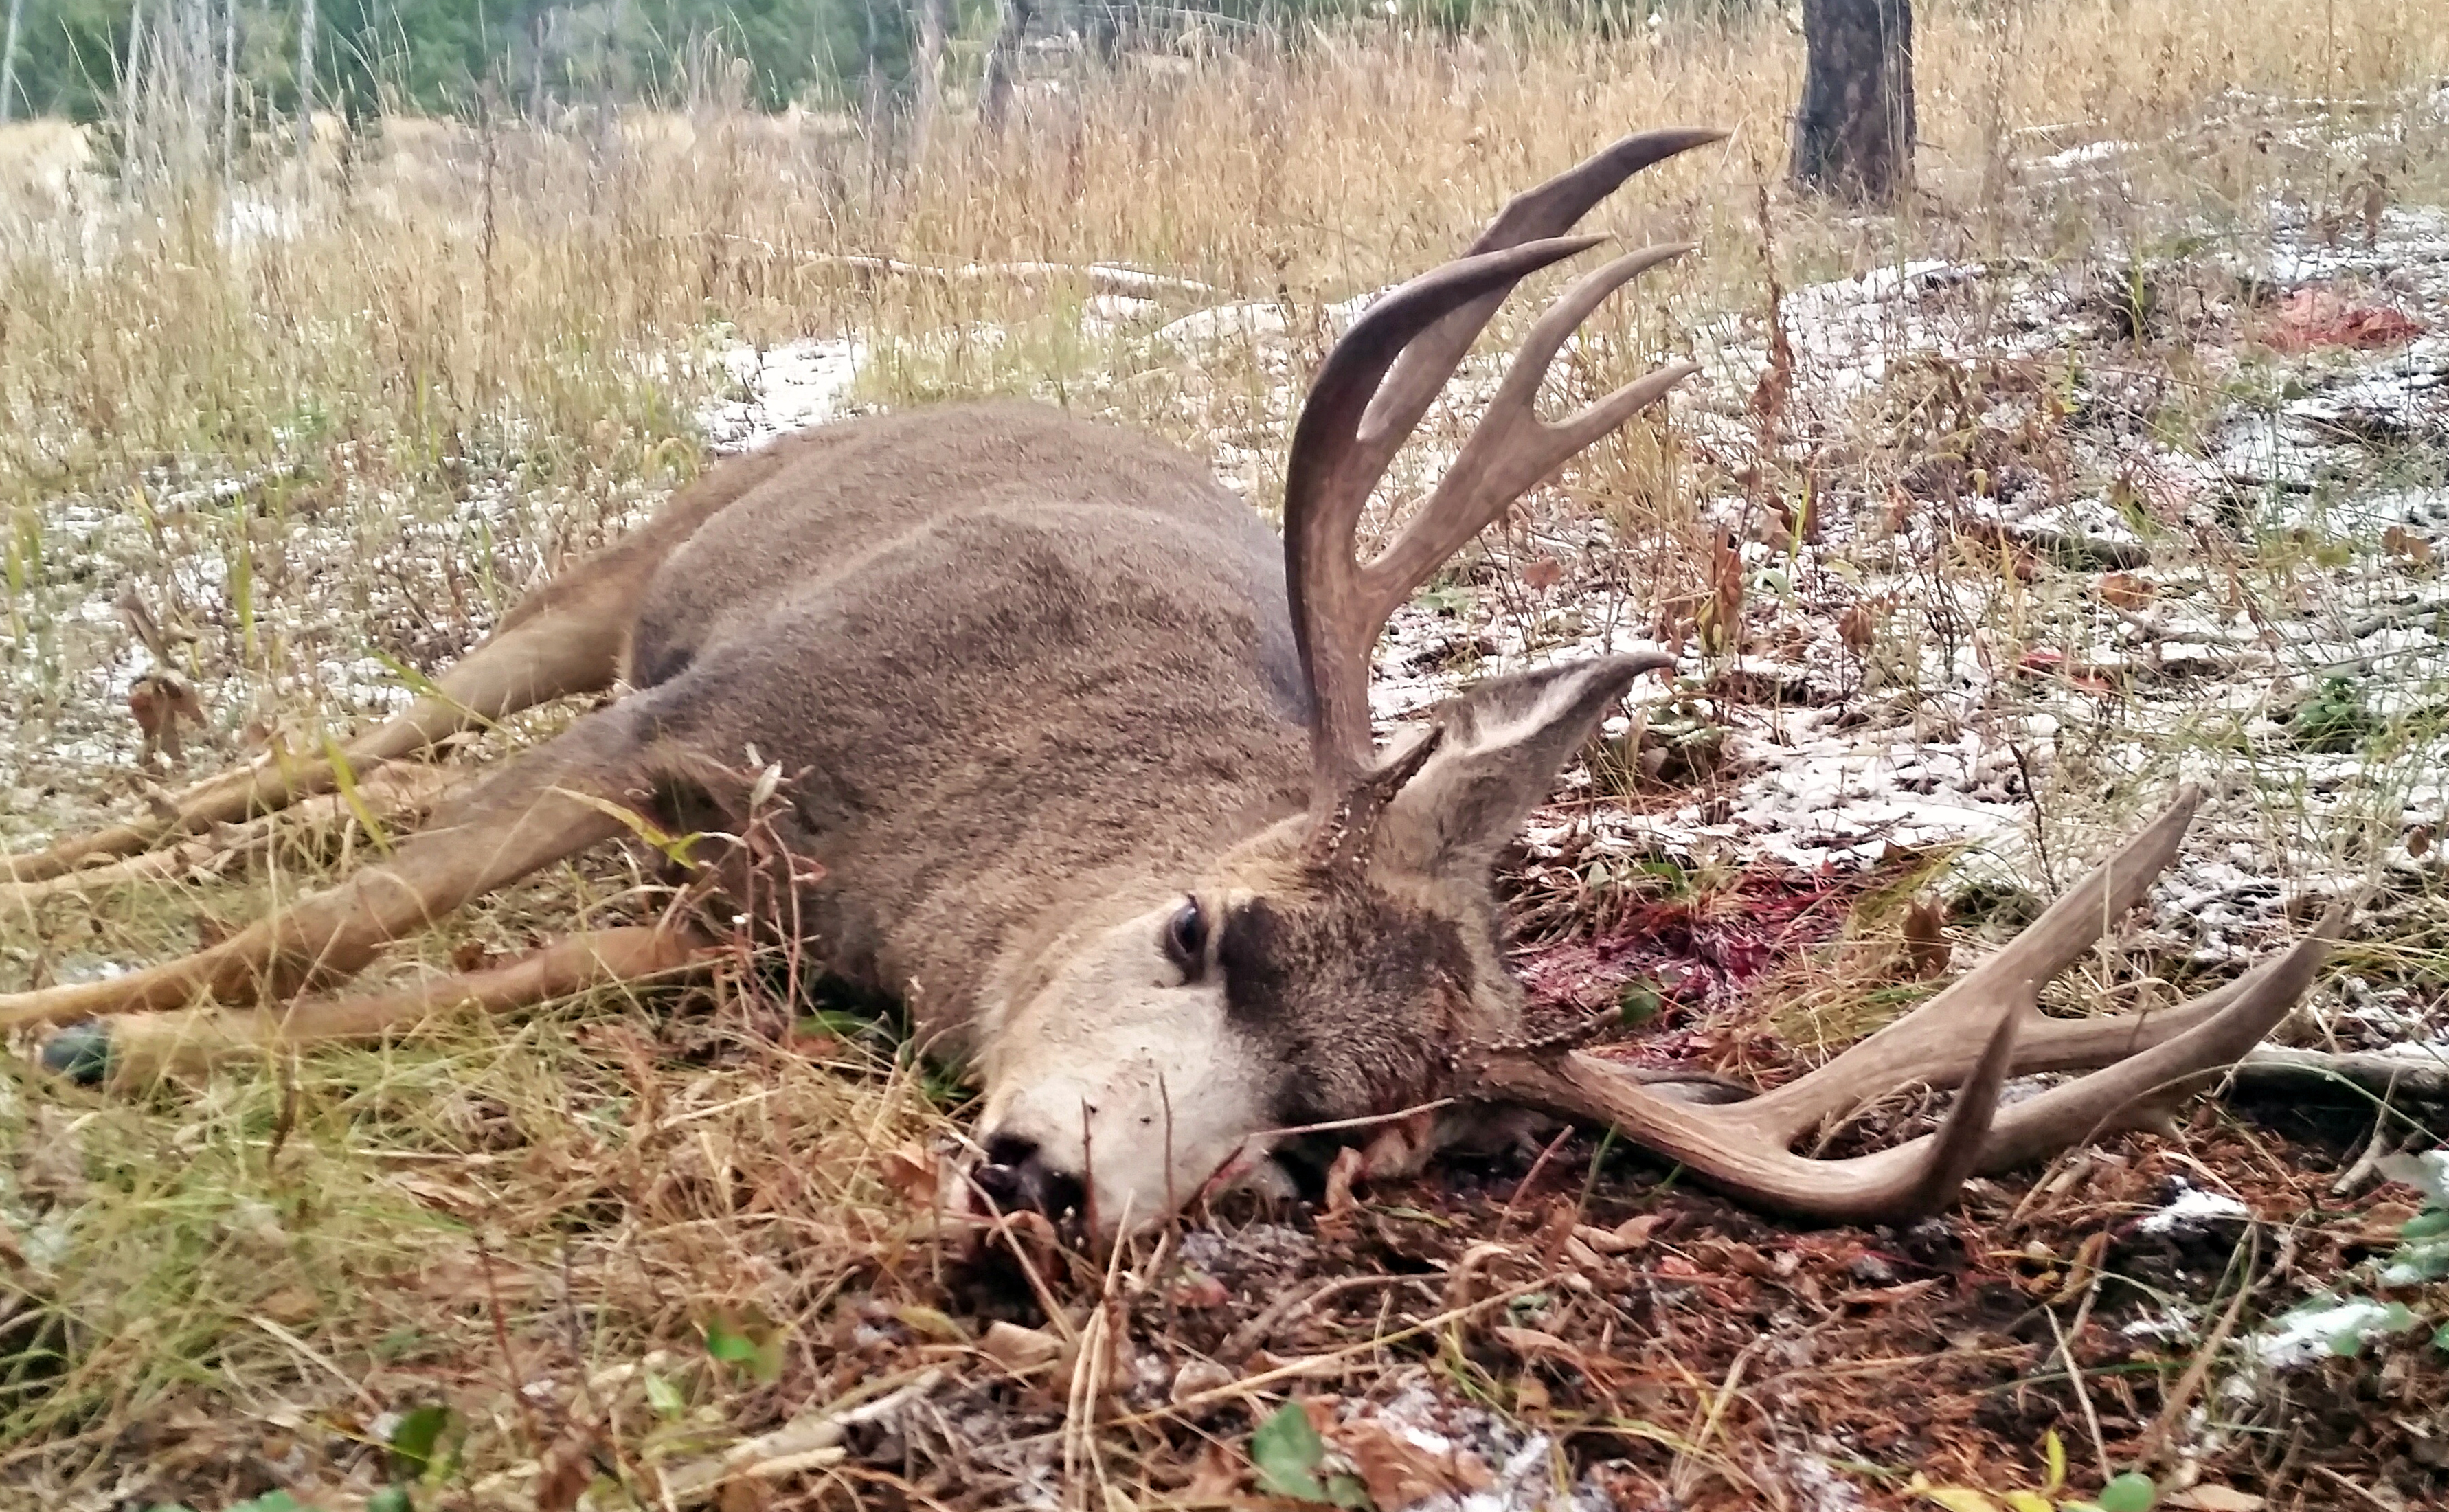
<point x="80" y="1051"/>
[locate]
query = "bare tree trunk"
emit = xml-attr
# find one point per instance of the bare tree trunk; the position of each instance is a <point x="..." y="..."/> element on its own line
<point x="1003" y="60"/>
<point x="9" y="60"/>
<point x="928" y="69"/>
<point x="229" y="91"/>
<point x="306" y="82"/>
<point x="1854" y="131"/>
<point x="131" y="89"/>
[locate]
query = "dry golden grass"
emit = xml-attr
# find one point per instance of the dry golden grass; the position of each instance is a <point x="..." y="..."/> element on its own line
<point x="207" y="1293"/>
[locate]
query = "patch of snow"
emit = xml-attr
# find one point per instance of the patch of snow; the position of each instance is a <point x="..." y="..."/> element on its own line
<point x="1255" y="320"/>
<point x="2191" y="1209"/>
<point x="1519" y="1461"/>
<point x="2303" y="1335"/>
<point x="2089" y="152"/>
<point x="787" y="388"/>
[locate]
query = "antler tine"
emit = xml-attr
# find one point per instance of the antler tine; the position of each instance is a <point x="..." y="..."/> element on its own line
<point x="1327" y="480"/>
<point x="1937" y="1042"/>
<point x="1749" y="1158"/>
<point x="1511" y="448"/>
<point x="2244" y="1012"/>
<point x="1550" y="210"/>
<point x="1733" y="1155"/>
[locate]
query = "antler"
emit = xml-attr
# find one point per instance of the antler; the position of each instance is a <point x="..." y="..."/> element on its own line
<point x="1373" y="389"/>
<point x="1980" y="1032"/>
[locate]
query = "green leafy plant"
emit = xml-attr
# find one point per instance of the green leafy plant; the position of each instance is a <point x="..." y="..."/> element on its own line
<point x="1290" y="1458"/>
<point x="749" y="1345"/>
<point x="2333" y="720"/>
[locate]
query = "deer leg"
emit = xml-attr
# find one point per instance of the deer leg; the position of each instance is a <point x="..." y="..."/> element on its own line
<point x="550" y="804"/>
<point x="129" y="1052"/>
<point x="397" y="796"/>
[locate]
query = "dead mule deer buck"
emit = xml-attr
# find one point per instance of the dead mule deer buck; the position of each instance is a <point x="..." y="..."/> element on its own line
<point x="1082" y="768"/>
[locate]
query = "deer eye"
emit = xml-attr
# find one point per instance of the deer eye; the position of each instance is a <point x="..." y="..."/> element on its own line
<point x="1186" y="939"/>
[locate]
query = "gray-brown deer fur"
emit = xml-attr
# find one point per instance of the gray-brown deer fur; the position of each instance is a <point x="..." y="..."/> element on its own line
<point x="1075" y="758"/>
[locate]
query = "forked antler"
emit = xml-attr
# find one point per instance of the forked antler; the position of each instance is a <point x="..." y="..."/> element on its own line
<point x="1977" y="1033"/>
<point x="1380" y="379"/>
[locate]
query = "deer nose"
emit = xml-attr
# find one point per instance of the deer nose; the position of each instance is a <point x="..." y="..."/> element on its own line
<point x="1018" y="1178"/>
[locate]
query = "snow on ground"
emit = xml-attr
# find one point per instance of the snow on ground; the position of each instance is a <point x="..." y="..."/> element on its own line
<point x="780" y="390"/>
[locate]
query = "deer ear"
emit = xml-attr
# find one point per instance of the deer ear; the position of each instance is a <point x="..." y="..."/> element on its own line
<point x="1504" y="742"/>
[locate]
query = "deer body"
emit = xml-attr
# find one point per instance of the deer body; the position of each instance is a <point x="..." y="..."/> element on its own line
<point x="1070" y="753"/>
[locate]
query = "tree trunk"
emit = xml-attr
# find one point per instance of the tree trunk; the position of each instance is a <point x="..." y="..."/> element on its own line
<point x="229" y="90"/>
<point x="306" y="79"/>
<point x="928" y="77"/>
<point x="9" y="60"/>
<point x="1003" y="61"/>
<point x="1853" y="132"/>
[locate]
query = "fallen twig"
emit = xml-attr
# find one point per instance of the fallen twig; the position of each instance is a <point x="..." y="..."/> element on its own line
<point x="2424" y="1078"/>
<point x="1102" y="278"/>
<point x="1237" y="1344"/>
<point x="803" y="1444"/>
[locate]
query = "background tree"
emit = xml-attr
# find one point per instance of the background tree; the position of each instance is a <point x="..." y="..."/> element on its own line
<point x="1854" y="131"/>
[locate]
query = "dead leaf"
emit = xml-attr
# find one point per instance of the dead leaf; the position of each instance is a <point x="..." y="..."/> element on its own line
<point x="1199" y="1291"/>
<point x="291" y="1306"/>
<point x="2126" y="592"/>
<point x="1721" y="616"/>
<point x="741" y="1494"/>
<point x="2418" y="841"/>
<point x="470" y="955"/>
<point x="1857" y="627"/>
<point x="912" y="1171"/>
<point x="567" y="1468"/>
<point x="1900" y="511"/>
<point x="2215" y="1498"/>
<point x="1633" y="1233"/>
<point x="1215" y="1478"/>
<point x="2399" y="541"/>
<point x="1470" y="1278"/>
<point x="1018" y="1348"/>
<point x="1398" y="1473"/>
<point x="161" y="703"/>
<point x="1197" y="1377"/>
<point x="1531" y="1346"/>
<point x="1556" y="1232"/>
<point x="2316" y="318"/>
<point x="1925" y="932"/>
<point x="1542" y="572"/>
